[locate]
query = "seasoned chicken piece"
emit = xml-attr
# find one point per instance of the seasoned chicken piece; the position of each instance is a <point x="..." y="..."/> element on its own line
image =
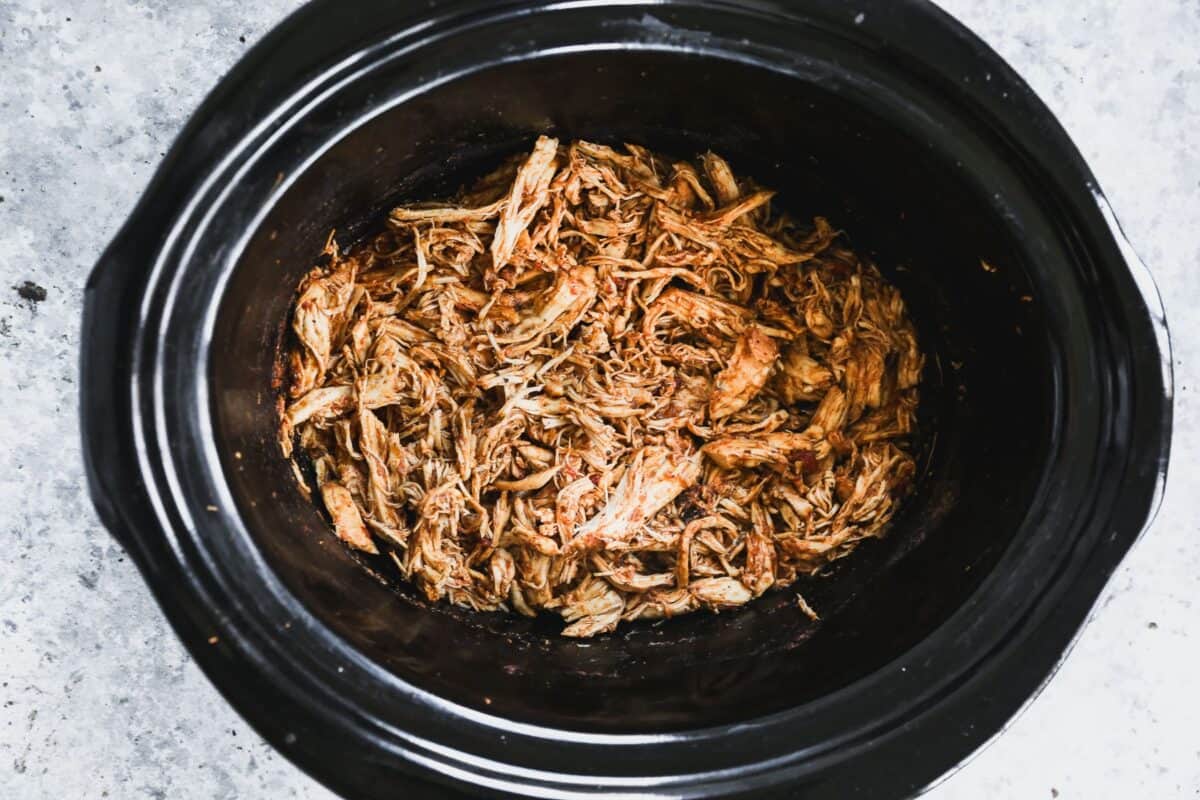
<point x="639" y="162"/>
<point x="889" y="422"/>
<point x="528" y="194"/>
<point x="656" y="475"/>
<point x="305" y="372"/>
<point x="530" y="482"/>
<point x="697" y="311"/>
<point x="562" y="306"/>
<point x="761" y="562"/>
<point x="400" y="330"/>
<point x="865" y="379"/>
<point x="831" y="413"/>
<point x="326" y="402"/>
<point x="538" y="456"/>
<point x="503" y="570"/>
<point x="593" y="339"/>
<point x="908" y="373"/>
<point x="320" y="312"/>
<point x="497" y="306"/>
<point x="687" y="189"/>
<point x="883" y="466"/>
<point x="573" y="501"/>
<point x="753" y="358"/>
<point x="751" y="244"/>
<point x="780" y="449"/>
<point x="801" y="378"/>
<point x="375" y="445"/>
<point x="727" y="215"/>
<point x="397" y="378"/>
<point x="346" y="519"/>
<point x="781" y="319"/>
<point x="720" y="593"/>
<point x="683" y="558"/>
<point x="627" y="578"/>
<point x="432" y="554"/>
<point x="721" y="177"/>
<point x="444" y="214"/>
<point x="806" y="608"/>
<point x="759" y="574"/>
<point x="662" y="603"/>
<point x="594" y="607"/>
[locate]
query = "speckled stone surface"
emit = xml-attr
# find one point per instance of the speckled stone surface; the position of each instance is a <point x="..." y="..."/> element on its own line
<point x="97" y="699"/>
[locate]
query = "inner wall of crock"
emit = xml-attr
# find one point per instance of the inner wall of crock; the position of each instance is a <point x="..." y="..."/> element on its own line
<point x="985" y="394"/>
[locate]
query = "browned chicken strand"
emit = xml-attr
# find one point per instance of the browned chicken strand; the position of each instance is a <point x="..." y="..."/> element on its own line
<point x="605" y="385"/>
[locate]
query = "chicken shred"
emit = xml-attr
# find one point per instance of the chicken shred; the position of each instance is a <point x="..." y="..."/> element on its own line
<point x="606" y="385"/>
<point x="750" y="366"/>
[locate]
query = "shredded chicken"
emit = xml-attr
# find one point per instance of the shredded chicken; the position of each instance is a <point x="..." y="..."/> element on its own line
<point x="605" y="385"/>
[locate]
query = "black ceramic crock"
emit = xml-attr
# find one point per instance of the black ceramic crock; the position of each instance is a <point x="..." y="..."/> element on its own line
<point x="1046" y="402"/>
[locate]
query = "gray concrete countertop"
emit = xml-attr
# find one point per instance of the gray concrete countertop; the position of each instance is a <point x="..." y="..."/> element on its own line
<point x="98" y="699"/>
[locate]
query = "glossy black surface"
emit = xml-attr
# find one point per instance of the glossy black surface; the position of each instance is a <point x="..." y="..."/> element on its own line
<point x="1046" y="403"/>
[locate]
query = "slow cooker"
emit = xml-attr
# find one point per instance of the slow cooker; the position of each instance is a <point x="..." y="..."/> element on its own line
<point x="1045" y="419"/>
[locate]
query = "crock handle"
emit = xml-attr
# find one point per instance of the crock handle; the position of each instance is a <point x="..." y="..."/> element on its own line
<point x="114" y="482"/>
<point x="1148" y="289"/>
